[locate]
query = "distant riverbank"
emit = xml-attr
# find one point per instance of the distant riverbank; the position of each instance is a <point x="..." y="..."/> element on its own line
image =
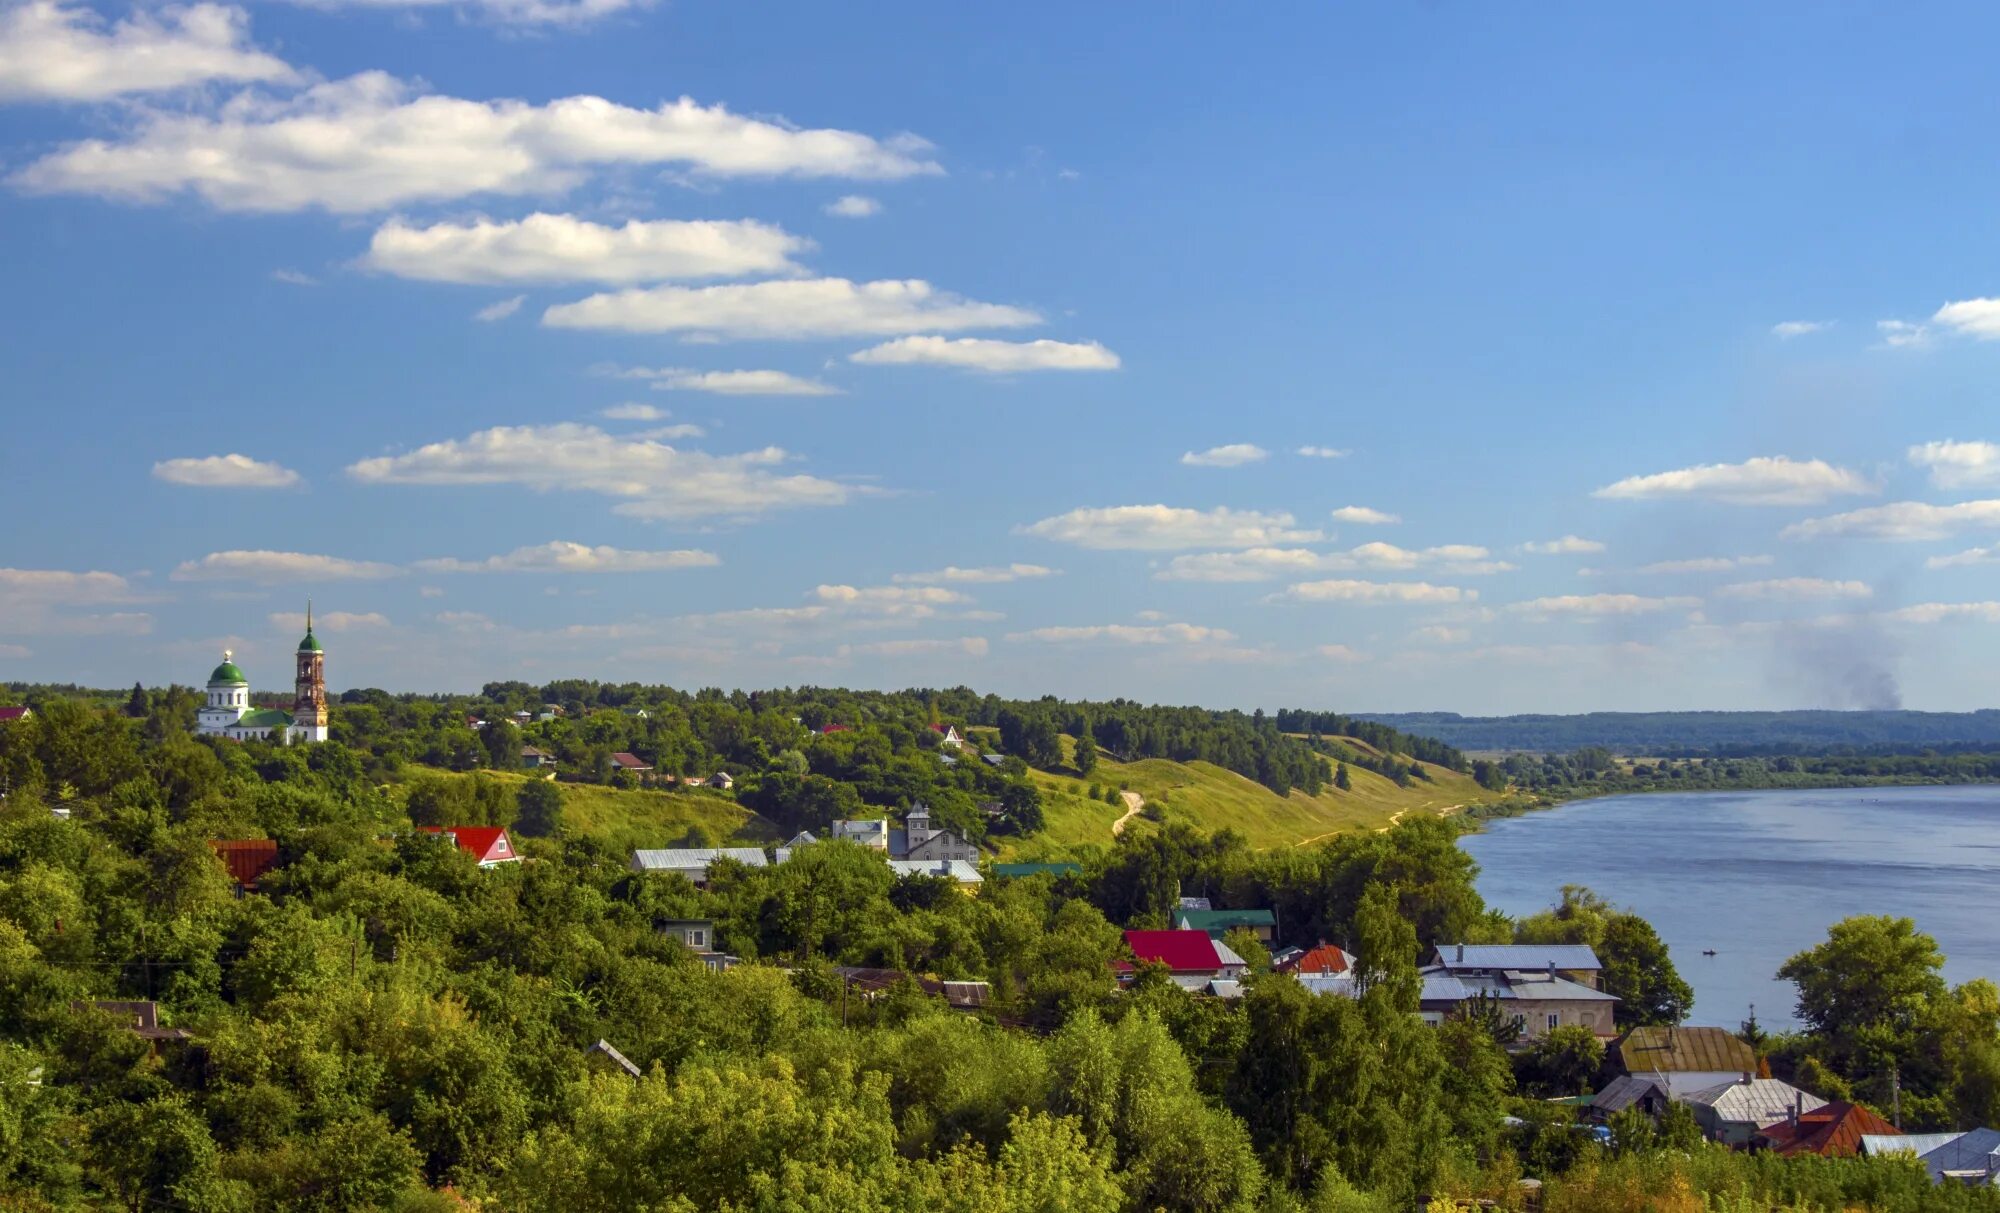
<point x="1474" y="817"/>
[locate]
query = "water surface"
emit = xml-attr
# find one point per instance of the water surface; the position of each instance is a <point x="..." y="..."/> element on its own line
<point x="1759" y="876"/>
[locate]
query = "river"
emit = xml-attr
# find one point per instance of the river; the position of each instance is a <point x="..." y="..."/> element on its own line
<point x="1759" y="876"/>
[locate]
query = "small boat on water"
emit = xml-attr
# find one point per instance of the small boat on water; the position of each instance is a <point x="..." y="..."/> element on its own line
<point x="1708" y="951"/>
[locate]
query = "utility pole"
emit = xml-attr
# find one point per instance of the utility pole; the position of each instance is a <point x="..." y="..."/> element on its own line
<point x="1895" y="1096"/>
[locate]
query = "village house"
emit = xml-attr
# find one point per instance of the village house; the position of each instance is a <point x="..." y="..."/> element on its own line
<point x="959" y="872"/>
<point x="721" y="780"/>
<point x="1323" y="960"/>
<point x="1832" y="1131"/>
<point x="1649" y="1095"/>
<point x="15" y="713"/>
<point x="1192" y="958"/>
<point x="247" y="859"/>
<point x="783" y="852"/>
<point x="919" y="839"/>
<point x="631" y="763"/>
<point x="694" y="862"/>
<point x="1261" y="923"/>
<point x="948" y="736"/>
<point x="870" y="983"/>
<point x="1573" y="961"/>
<point x="1734" y="1112"/>
<point x="1537" y="1001"/>
<point x="697" y="935"/>
<point x="871" y="832"/>
<point x="534" y="759"/>
<point x="488" y="845"/>
<point x="1685" y="1060"/>
<point x="1971" y="1157"/>
<point x="142" y="1019"/>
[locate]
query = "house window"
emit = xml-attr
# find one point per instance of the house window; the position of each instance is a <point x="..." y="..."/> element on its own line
<point x="697" y="938"/>
<point x="1520" y="1023"/>
<point x="1555" y="1020"/>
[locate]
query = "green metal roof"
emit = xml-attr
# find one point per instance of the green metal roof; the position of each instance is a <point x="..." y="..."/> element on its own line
<point x="1037" y="869"/>
<point x="264" y="718"/>
<point x="310" y="644"/>
<point x="1216" y="922"/>
<point x="227" y="672"/>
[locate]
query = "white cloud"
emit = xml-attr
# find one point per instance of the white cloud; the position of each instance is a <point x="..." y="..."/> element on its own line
<point x="278" y="567"/>
<point x="329" y="621"/>
<point x="16" y="651"/>
<point x="431" y="591"/>
<point x="633" y="412"/>
<point x="1899" y="520"/>
<point x="1322" y="452"/>
<point x="501" y="310"/>
<point x="1438" y="633"/>
<point x="1362" y="515"/>
<point x="1260" y="564"/>
<point x="1785" y="330"/>
<point x="1124" y="633"/>
<point x="34" y="589"/>
<point x="1795" y="589"/>
<point x="371" y="142"/>
<point x="655" y="481"/>
<point x="993" y="357"/>
<point x="786" y="309"/>
<point x="965" y="646"/>
<point x="49" y="52"/>
<point x="1599" y="606"/>
<point x="291" y="277"/>
<point x="1947" y="612"/>
<point x="992" y="574"/>
<point x="1157" y="528"/>
<point x="558" y="556"/>
<point x="545" y="248"/>
<point x="1233" y="455"/>
<point x="888" y="595"/>
<point x="853" y="206"/>
<point x="732" y="383"/>
<point x="572" y="13"/>
<point x="1959" y="465"/>
<point x="1761" y="481"/>
<point x="1978" y="318"/>
<point x="225" y="472"/>
<point x="669" y="433"/>
<point x="1969" y="556"/>
<point x="1568" y="545"/>
<point x="1705" y="564"/>
<point x="1901" y="334"/>
<point x="1373" y="592"/>
<point x="1341" y="653"/>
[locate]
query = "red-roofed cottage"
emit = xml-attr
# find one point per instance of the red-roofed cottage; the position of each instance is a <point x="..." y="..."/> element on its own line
<point x="1835" y="1129"/>
<point x="246" y="858"/>
<point x="487" y="844"/>
<point x="18" y="713"/>
<point x="1190" y="956"/>
<point x="1326" y="960"/>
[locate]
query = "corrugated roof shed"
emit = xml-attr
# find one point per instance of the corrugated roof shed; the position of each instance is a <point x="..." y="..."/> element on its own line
<point x="1760" y="1102"/>
<point x="669" y="858"/>
<point x="1833" y="1130"/>
<point x="1624" y="1091"/>
<point x="949" y="869"/>
<point x="1670" y="1050"/>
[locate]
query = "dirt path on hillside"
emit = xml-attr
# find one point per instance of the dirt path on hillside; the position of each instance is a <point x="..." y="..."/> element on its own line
<point x="1395" y="818"/>
<point x="1133" y="803"/>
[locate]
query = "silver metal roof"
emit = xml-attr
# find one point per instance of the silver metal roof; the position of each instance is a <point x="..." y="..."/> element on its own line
<point x="669" y="858"/>
<point x="1573" y="956"/>
<point x="1761" y="1101"/>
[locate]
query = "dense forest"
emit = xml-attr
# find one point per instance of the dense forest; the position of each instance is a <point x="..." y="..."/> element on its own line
<point x="1691" y="734"/>
<point x="1594" y="770"/>
<point x="383" y="1024"/>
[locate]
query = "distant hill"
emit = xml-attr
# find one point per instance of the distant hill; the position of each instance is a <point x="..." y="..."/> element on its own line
<point x="1677" y="734"/>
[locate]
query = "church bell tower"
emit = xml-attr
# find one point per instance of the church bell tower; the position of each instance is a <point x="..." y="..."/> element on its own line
<point x="309" y="700"/>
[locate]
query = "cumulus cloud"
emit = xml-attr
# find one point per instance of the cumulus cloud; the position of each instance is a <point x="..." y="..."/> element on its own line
<point x="329" y="621"/>
<point x="651" y="479"/>
<point x="572" y="13"/>
<point x="1374" y="592"/>
<point x="1785" y="330"/>
<point x="1959" y="465"/>
<point x="545" y="248"/>
<point x="53" y="52"/>
<point x="732" y="383"/>
<point x="1947" y="612"/>
<point x="991" y="574"/>
<point x="1322" y="452"/>
<point x="1568" y="545"/>
<point x="279" y="567"/>
<point x="1904" y="520"/>
<point x="1233" y="455"/>
<point x="786" y="309"/>
<point x="990" y="356"/>
<point x="1341" y="653"/>
<point x="1159" y="528"/>
<point x="501" y="310"/>
<point x="371" y="142"/>
<point x="1125" y="633"/>
<point x="1599" y="606"/>
<point x="1260" y="564"/>
<point x="1795" y="589"/>
<point x="1969" y="556"/>
<point x="1901" y="334"/>
<point x="225" y="472"/>
<point x="558" y="556"/>
<point x="853" y="206"/>
<point x="28" y="590"/>
<point x="1773" y="480"/>
<point x="1439" y="633"/>
<point x="1978" y="318"/>
<point x="1704" y="564"/>
<point x="1362" y="515"/>
<point x="888" y="595"/>
<point x="634" y="412"/>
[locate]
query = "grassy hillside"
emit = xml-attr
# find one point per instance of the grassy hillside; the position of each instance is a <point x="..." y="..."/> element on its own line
<point x="635" y="818"/>
<point x="1212" y="798"/>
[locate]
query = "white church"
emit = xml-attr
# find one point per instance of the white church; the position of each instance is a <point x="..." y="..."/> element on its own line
<point x="227" y="711"/>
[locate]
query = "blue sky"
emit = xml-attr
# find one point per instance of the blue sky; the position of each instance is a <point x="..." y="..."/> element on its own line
<point x="1645" y="355"/>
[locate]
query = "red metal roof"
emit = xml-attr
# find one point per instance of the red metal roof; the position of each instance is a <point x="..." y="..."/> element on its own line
<point x="487" y="844"/>
<point x="631" y="762"/>
<point x="13" y="713"/>
<point x="1180" y="951"/>
<point x="835" y="728"/>
<point x="1834" y="1129"/>
<point x="1325" y="958"/>
<point x="246" y="858"/>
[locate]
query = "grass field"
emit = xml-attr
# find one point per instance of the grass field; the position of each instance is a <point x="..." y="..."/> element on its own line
<point x="637" y="818"/>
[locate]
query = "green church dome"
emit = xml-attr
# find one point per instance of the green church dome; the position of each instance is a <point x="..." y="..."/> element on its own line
<point x="227" y="673"/>
<point x="309" y="644"/>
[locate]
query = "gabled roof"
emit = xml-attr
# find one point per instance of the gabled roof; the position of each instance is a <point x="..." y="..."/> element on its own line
<point x="246" y="858"/>
<point x="1180" y="951"/>
<point x="16" y="713"/>
<point x="1324" y="959"/>
<point x="1676" y="1050"/>
<point x="837" y="728"/>
<point x="528" y="751"/>
<point x="950" y="869"/>
<point x="631" y="762"/>
<point x="1574" y="957"/>
<point x="487" y="844"/>
<point x="1761" y="1101"/>
<point x="670" y="858"/>
<point x="1974" y="1154"/>
<point x="1836" y="1129"/>
<point x="1216" y="922"/>
<point x="263" y="718"/>
<point x="1625" y="1090"/>
<point x="603" y="1049"/>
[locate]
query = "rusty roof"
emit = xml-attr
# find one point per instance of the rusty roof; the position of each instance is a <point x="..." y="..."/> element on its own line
<point x="1836" y="1129"/>
<point x="1671" y="1050"/>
